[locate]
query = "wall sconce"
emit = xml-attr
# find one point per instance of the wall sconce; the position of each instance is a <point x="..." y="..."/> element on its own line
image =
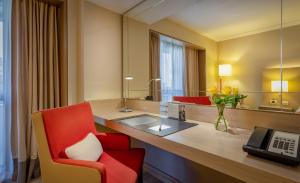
<point x="125" y="108"/>
<point x="151" y="85"/>
<point x="225" y="70"/>
<point x="128" y="78"/>
<point x="155" y="80"/>
<point x="276" y="86"/>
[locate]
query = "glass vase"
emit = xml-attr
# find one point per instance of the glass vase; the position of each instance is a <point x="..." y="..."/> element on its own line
<point x="221" y="123"/>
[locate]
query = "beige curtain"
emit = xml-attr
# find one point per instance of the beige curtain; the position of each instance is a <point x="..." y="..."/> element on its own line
<point x="36" y="77"/>
<point x="195" y="82"/>
<point x="154" y="66"/>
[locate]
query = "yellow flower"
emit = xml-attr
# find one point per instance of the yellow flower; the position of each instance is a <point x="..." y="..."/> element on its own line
<point x="213" y="91"/>
<point x="227" y="90"/>
<point x="235" y="91"/>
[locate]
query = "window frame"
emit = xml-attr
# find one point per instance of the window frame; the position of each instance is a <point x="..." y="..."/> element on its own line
<point x="1" y="63"/>
<point x="171" y="92"/>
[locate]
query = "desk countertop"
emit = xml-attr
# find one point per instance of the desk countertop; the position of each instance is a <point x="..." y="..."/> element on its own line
<point x="204" y="145"/>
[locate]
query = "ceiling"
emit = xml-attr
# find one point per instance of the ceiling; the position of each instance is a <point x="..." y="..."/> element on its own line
<point x="227" y="19"/>
<point x="216" y="19"/>
<point x="149" y="11"/>
<point x="118" y="6"/>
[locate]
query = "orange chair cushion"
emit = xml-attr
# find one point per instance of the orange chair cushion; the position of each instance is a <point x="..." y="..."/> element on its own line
<point x="133" y="158"/>
<point x="67" y="125"/>
<point x="203" y="100"/>
<point x="122" y="166"/>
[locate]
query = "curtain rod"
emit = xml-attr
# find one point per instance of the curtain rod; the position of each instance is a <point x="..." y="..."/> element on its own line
<point x="53" y="2"/>
<point x="184" y="41"/>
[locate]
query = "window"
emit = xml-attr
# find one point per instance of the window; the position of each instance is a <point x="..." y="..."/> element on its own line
<point x="171" y="68"/>
<point x="2" y="143"/>
<point x="1" y="61"/>
<point x="6" y="164"/>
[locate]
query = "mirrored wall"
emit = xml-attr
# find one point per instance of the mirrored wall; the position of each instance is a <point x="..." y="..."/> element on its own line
<point x="186" y="49"/>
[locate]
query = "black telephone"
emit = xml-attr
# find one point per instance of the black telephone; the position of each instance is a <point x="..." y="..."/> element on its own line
<point x="274" y="145"/>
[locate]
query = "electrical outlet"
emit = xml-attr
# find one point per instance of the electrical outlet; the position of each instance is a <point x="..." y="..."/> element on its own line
<point x="273" y="101"/>
<point x="285" y="102"/>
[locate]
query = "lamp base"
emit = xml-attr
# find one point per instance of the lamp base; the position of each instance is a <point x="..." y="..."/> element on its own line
<point x="126" y="109"/>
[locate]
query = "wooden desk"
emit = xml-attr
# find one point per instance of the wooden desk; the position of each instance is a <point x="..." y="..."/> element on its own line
<point x="204" y="145"/>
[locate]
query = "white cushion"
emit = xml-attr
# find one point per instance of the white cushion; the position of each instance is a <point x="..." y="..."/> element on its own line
<point x="89" y="149"/>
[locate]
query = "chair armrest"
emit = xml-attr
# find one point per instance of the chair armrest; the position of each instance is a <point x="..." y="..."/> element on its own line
<point x="85" y="164"/>
<point x="89" y="164"/>
<point x="114" y="141"/>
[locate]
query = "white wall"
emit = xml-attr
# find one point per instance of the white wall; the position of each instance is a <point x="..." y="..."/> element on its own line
<point x="94" y="53"/>
<point x="73" y="50"/>
<point x="136" y="57"/>
<point x="102" y="52"/>
<point x="255" y="55"/>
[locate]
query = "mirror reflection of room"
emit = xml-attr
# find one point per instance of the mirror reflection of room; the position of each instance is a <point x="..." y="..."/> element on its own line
<point x="150" y="91"/>
<point x="177" y="68"/>
<point x="180" y="56"/>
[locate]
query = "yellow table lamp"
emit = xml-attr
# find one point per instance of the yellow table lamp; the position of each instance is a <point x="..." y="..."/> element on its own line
<point x="276" y="86"/>
<point x="224" y="71"/>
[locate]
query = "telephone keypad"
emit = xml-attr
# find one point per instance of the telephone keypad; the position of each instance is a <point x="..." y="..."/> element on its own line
<point x="274" y="145"/>
<point x="284" y="143"/>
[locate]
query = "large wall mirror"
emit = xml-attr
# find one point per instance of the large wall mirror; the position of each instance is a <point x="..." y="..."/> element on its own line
<point x="184" y="48"/>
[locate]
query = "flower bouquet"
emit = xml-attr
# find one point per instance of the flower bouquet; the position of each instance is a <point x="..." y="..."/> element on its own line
<point x="228" y="97"/>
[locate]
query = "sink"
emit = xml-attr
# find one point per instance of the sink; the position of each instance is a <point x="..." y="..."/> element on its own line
<point x="159" y="128"/>
<point x="155" y="125"/>
<point x="139" y="120"/>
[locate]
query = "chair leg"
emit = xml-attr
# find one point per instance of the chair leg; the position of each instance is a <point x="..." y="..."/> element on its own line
<point x="140" y="178"/>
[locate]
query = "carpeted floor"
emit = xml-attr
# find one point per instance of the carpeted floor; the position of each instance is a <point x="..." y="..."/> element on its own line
<point x="148" y="178"/>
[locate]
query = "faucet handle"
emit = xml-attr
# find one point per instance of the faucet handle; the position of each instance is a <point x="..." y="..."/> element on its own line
<point x="181" y="114"/>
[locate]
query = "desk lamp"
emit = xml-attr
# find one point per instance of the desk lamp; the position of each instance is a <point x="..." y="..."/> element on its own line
<point x="125" y="108"/>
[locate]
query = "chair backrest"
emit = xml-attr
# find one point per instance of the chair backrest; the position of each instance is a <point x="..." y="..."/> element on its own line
<point x="43" y="148"/>
<point x="203" y="100"/>
<point x="67" y="125"/>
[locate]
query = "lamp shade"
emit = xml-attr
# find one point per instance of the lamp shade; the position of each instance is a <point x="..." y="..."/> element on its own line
<point x="225" y="70"/>
<point x="128" y="78"/>
<point x="155" y="79"/>
<point x="276" y="86"/>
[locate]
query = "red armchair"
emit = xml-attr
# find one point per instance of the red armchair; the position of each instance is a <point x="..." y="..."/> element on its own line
<point x="59" y="128"/>
<point x="202" y="100"/>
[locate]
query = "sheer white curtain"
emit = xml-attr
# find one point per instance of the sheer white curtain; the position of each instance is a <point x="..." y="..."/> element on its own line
<point x="6" y="166"/>
<point x="171" y="68"/>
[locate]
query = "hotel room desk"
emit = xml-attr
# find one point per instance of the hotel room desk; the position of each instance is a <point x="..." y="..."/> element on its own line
<point x="204" y="145"/>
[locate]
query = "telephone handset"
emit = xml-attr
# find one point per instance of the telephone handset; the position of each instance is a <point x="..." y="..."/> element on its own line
<point x="275" y="145"/>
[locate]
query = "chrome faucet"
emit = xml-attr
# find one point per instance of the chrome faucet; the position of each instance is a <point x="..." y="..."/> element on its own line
<point x="181" y="115"/>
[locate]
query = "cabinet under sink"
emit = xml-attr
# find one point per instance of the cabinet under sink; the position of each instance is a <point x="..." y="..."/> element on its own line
<point x="155" y="125"/>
